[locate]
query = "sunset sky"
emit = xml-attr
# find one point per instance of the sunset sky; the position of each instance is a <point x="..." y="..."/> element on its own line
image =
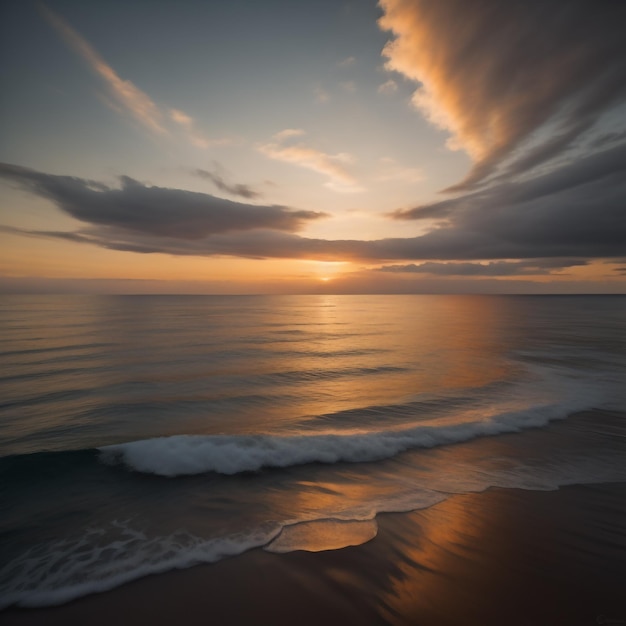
<point x="327" y="146"/>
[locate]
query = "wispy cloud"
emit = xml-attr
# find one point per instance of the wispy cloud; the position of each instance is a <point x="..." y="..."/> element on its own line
<point x="219" y="178"/>
<point x="194" y="136"/>
<point x="331" y="165"/>
<point x="515" y="83"/>
<point x="186" y="122"/>
<point x="388" y="87"/>
<point x="321" y="95"/>
<point x="287" y="133"/>
<point x="347" y="62"/>
<point x="493" y="268"/>
<point x="126" y="95"/>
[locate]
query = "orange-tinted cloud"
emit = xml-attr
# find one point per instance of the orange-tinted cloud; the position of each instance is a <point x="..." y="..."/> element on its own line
<point x="186" y="122"/>
<point x="126" y="95"/>
<point x="494" y="74"/>
<point x="331" y="165"/>
<point x="194" y="136"/>
<point x="494" y="268"/>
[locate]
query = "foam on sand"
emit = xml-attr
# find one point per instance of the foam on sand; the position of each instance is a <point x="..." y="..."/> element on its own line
<point x="102" y="559"/>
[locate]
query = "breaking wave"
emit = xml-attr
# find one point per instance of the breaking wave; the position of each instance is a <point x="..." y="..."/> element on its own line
<point x="183" y="455"/>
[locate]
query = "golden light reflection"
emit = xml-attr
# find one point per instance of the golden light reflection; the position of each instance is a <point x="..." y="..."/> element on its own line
<point x="322" y="535"/>
<point x="369" y="352"/>
<point x="320" y="499"/>
<point x="416" y="560"/>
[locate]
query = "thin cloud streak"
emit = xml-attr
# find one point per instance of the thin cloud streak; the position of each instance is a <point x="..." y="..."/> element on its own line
<point x="129" y="97"/>
<point x="388" y="87"/>
<point x="494" y="268"/>
<point x="124" y="96"/>
<point x="186" y="122"/>
<point x="331" y="165"/>
<point x="607" y="167"/>
<point x="218" y="177"/>
<point x="347" y="62"/>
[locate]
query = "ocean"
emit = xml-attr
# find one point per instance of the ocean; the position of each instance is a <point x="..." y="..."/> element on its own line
<point x="142" y="434"/>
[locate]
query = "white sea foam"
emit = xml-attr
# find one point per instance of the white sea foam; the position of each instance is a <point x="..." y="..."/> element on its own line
<point x="101" y="559"/>
<point x="181" y="455"/>
<point x="55" y="573"/>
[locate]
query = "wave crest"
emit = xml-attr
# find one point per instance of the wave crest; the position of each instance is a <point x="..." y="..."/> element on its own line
<point x="184" y="455"/>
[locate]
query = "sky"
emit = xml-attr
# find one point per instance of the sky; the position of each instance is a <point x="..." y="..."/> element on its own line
<point x="299" y="146"/>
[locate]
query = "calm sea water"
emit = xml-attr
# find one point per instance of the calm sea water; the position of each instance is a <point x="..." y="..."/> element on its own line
<point x="140" y="434"/>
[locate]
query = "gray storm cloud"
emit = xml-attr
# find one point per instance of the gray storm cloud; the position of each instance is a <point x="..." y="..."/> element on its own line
<point x="578" y="209"/>
<point x="573" y="213"/>
<point x="153" y="211"/>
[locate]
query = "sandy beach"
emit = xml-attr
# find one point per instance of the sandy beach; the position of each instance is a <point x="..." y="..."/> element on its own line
<point x="504" y="556"/>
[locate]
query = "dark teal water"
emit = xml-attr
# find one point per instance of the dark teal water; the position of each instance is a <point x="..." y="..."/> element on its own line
<point x="140" y="434"/>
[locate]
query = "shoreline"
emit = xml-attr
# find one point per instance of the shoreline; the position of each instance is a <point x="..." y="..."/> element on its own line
<point x="503" y="556"/>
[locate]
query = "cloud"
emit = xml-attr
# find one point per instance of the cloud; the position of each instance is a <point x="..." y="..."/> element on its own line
<point x="321" y="95"/>
<point x="287" y="133"/>
<point x="515" y="83"/>
<point x="257" y="243"/>
<point x="331" y="165"/>
<point x="493" y="268"/>
<point x="125" y="97"/>
<point x="347" y="62"/>
<point x="180" y="117"/>
<point x="575" y="210"/>
<point x="187" y="123"/>
<point x="125" y="94"/>
<point x="571" y="214"/>
<point x="388" y="87"/>
<point x="554" y="187"/>
<point x="218" y="178"/>
<point x="608" y="138"/>
<point x="134" y="209"/>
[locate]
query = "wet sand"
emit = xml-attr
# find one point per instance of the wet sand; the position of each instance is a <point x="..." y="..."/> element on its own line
<point x="503" y="557"/>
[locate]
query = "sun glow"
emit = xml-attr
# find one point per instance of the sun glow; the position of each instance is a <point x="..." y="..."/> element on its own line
<point x="326" y="271"/>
